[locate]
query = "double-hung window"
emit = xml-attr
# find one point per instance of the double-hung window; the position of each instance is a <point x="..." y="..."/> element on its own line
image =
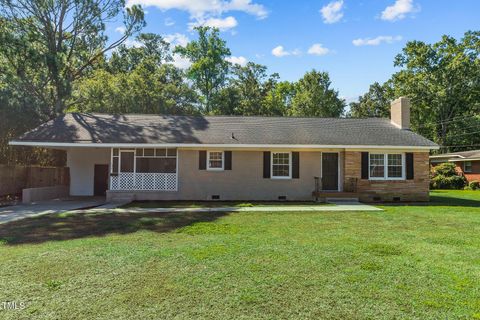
<point x="215" y="160"/>
<point x="377" y="166"/>
<point x="467" y="166"/>
<point x="281" y="165"/>
<point x="389" y="166"/>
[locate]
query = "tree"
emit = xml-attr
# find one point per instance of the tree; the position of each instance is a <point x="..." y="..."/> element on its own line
<point x="251" y="91"/>
<point x="253" y="84"/>
<point x="50" y="44"/>
<point x="443" y="82"/>
<point x="137" y="80"/>
<point x="375" y="103"/>
<point x="209" y="68"/>
<point x="153" y="51"/>
<point x="314" y="97"/>
<point x="278" y="100"/>
<point x="445" y="176"/>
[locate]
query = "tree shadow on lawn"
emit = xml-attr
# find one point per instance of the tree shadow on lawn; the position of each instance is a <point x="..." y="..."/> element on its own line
<point x="440" y="201"/>
<point x="72" y="225"/>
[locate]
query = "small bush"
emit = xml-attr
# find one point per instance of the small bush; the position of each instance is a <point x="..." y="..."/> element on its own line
<point x="444" y="176"/>
<point x="474" y="185"/>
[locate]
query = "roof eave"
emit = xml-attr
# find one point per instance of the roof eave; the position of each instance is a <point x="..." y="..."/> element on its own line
<point x="209" y="145"/>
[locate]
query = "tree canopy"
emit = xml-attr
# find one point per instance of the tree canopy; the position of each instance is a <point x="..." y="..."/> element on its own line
<point x="55" y="57"/>
<point x="443" y="82"/>
<point x="209" y="68"/>
<point x="314" y="97"/>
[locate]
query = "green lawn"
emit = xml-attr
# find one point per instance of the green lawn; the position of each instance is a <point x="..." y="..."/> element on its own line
<point x="407" y="262"/>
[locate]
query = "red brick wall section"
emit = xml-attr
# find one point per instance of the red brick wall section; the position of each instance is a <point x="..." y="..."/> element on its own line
<point x="386" y="190"/>
<point x="472" y="176"/>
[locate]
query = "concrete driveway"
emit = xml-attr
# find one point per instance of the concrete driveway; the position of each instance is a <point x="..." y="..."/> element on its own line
<point x="21" y="211"/>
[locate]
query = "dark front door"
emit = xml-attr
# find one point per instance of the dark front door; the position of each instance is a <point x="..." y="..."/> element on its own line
<point x="329" y="171"/>
<point x="100" y="184"/>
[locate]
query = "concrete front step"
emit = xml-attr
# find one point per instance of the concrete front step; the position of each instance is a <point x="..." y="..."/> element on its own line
<point x="333" y="199"/>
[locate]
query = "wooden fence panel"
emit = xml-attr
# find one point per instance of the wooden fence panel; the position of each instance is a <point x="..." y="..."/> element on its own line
<point x="15" y="178"/>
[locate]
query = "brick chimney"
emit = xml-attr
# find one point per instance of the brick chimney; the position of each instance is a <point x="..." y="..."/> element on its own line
<point x="400" y="113"/>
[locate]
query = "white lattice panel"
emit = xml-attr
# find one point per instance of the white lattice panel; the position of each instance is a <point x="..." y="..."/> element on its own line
<point x="144" y="181"/>
<point x="170" y="181"/>
<point x="114" y="183"/>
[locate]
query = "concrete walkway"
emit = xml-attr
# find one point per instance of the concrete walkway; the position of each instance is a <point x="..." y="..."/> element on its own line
<point x="98" y="205"/>
<point x="344" y="206"/>
<point x="22" y="211"/>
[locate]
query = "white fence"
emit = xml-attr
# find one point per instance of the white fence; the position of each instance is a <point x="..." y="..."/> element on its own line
<point x="144" y="181"/>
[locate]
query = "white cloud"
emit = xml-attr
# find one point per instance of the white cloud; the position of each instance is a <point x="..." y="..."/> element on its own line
<point x="237" y="60"/>
<point x="296" y="52"/>
<point x="120" y="30"/>
<point x="201" y="8"/>
<point x="169" y="22"/>
<point x="177" y="39"/>
<point x="133" y="43"/>
<point x="279" y="51"/>
<point x="318" y="50"/>
<point x="248" y="7"/>
<point x="180" y="62"/>
<point x="332" y="12"/>
<point x="222" y="24"/>
<point x="375" y="41"/>
<point x="399" y="10"/>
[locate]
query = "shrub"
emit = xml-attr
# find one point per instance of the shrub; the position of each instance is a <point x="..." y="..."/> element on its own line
<point x="474" y="185"/>
<point x="444" y="176"/>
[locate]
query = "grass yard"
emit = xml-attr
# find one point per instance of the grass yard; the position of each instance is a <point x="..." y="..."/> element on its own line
<point x="407" y="262"/>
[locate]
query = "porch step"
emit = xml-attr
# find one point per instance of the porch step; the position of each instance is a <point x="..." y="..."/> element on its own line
<point x="120" y="197"/>
<point x="331" y="199"/>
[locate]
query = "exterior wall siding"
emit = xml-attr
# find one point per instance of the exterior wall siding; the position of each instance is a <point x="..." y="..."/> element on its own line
<point x="386" y="190"/>
<point x="470" y="176"/>
<point x="244" y="182"/>
<point x="81" y="162"/>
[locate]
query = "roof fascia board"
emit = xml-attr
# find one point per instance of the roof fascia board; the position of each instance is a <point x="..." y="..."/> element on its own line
<point x="196" y="145"/>
<point x="464" y="160"/>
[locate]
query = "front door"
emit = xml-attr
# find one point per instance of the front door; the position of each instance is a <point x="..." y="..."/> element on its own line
<point x="100" y="178"/>
<point x="329" y="171"/>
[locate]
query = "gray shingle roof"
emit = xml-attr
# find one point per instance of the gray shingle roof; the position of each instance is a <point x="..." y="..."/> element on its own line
<point x="472" y="154"/>
<point x="102" y="128"/>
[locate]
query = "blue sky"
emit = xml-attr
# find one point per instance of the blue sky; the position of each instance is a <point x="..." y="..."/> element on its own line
<point x="355" y="41"/>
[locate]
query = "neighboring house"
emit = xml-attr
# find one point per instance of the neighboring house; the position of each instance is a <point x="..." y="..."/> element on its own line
<point x="467" y="163"/>
<point x="155" y="157"/>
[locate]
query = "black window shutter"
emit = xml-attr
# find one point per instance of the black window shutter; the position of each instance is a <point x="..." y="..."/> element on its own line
<point x="295" y="165"/>
<point x="202" y="160"/>
<point x="364" y="165"/>
<point x="409" y="164"/>
<point x="228" y="160"/>
<point x="266" y="164"/>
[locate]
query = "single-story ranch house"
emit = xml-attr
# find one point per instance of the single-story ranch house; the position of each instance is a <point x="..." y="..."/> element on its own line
<point x="157" y="157"/>
<point x="467" y="163"/>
